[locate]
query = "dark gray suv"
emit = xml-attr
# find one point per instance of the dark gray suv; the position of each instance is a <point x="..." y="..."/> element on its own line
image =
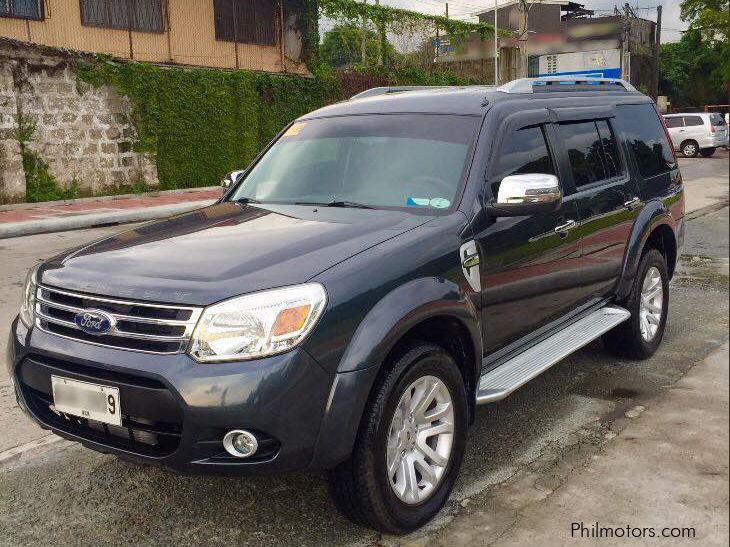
<point x="384" y="266"/>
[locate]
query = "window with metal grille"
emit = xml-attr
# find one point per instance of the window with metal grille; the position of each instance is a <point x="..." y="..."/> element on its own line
<point x="137" y="15"/>
<point x="24" y="9"/>
<point x="246" y="21"/>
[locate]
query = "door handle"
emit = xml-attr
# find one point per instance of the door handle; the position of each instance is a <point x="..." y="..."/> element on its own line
<point x="633" y="202"/>
<point x="565" y="227"/>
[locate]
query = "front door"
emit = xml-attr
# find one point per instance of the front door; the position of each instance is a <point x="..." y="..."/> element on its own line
<point x="528" y="263"/>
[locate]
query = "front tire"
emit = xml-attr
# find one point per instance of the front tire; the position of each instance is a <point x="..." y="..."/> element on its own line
<point x="707" y="152"/>
<point x="690" y="149"/>
<point x="409" y="446"/>
<point x="639" y="337"/>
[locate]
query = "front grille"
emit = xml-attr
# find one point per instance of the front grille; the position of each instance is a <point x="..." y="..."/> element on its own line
<point x="138" y="326"/>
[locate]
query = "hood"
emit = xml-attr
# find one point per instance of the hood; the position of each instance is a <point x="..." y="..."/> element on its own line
<point x="223" y="251"/>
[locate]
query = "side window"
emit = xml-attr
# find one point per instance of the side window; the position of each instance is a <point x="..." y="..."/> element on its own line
<point x="674" y="121"/>
<point x="612" y="161"/>
<point x="585" y="152"/>
<point x="523" y="151"/>
<point x="645" y="136"/>
<point x="692" y="120"/>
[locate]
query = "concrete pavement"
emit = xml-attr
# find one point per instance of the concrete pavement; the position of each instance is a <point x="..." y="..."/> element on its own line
<point x="660" y="480"/>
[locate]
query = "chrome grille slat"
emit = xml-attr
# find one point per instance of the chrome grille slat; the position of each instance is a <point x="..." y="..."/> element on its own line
<point x="172" y="335"/>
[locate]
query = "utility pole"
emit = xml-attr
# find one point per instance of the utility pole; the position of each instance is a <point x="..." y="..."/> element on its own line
<point x="447" y="10"/>
<point x="657" y="50"/>
<point x="496" y="47"/>
<point x="625" y="55"/>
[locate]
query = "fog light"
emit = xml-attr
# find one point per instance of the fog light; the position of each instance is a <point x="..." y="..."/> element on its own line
<point x="240" y="444"/>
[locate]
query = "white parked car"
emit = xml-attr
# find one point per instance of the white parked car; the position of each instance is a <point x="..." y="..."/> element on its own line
<point x="697" y="133"/>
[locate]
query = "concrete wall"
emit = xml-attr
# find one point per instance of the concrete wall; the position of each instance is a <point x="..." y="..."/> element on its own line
<point x="188" y="38"/>
<point x="84" y="134"/>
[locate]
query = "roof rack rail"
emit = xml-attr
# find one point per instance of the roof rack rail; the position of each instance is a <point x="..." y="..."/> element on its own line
<point x="582" y="83"/>
<point x="373" y="91"/>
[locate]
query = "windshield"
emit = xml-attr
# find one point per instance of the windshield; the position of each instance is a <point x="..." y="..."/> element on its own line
<point x="717" y="120"/>
<point x="380" y="161"/>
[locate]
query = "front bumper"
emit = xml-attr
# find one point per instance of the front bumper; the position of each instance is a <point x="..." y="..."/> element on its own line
<point x="178" y="410"/>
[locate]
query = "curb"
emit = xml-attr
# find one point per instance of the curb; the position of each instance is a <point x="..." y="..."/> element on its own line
<point x="97" y="220"/>
<point x="96" y="199"/>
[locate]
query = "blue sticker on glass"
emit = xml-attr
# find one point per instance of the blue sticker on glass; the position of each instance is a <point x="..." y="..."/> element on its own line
<point x="418" y="202"/>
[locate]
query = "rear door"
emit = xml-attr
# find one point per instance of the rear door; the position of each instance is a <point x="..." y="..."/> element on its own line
<point x="607" y="197"/>
<point x="696" y="130"/>
<point x="529" y="270"/>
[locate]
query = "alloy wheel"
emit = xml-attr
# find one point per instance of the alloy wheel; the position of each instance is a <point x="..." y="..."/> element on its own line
<point x="652" y="304"/>
<point x="420" y="439"/>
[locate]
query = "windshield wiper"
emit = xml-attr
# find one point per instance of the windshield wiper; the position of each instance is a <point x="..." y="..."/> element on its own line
<point x="352" y="204"/>
<point x="247" y="200"/>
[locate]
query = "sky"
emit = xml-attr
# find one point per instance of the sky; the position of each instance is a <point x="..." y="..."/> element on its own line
<point x="463" y="9"/>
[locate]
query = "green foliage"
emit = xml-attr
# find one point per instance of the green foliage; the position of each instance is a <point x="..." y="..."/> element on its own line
<point x="711" y="17"/>
<point x="407" y="75"/>
<point x="694" y="71"/>
<point x="342" y="47"/>
<point x="199" y="124"/>
<point x="399" y="20"/>
<point x="40" y="185"/>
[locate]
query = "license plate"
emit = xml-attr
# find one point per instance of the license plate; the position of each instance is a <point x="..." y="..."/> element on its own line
<point x="86" y="400"/>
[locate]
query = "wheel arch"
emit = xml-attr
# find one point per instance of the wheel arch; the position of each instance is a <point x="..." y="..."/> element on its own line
<point x="654" y="228"/>
<point x="429" y="309"/>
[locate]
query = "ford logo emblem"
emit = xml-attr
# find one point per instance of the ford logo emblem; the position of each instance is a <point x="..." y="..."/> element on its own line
<point x="94" y="321"/>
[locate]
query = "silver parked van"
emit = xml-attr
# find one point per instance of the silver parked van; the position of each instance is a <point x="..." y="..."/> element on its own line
<point x="697" y="133"/>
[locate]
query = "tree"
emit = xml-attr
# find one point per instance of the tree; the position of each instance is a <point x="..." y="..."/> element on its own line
<point x="342" y="47"/>
<point x="693" y="71"/>
<point x="696" y="70"/>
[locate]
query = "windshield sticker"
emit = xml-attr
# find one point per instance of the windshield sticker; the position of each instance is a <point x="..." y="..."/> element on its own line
<point x="418" y="202"/>
<point x="440" y="203"/>
<point x="295" y="129"/>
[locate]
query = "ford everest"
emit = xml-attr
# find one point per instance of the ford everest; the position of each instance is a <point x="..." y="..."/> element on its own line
<point x="385" y="265"/>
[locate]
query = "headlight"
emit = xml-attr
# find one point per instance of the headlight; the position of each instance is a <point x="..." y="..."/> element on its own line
<point x="27" y="308"/>
<point x="257" y="325"/>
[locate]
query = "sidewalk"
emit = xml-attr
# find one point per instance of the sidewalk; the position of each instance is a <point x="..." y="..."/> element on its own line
<point x="36" y="218"/>
<point x="667" y="468"/>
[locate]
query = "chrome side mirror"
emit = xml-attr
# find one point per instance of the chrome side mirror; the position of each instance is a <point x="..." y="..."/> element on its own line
<point x="230" y="179"/>
<point x="527" y="194"/>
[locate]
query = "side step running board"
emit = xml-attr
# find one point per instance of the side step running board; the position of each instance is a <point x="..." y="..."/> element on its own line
<point x="497" y="384"/>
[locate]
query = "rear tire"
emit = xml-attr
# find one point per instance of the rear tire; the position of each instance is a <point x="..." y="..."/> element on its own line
<point x="362" y="487"/>
<point x="707" y="152"/>
<point x="640" y="336"/>
<point x="690" y="149"/>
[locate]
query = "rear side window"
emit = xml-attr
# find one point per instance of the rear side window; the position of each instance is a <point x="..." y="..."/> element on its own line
<point x="585" y="152"/>
<point x="693" y="120"/>
<point x="645" y="136"/>
<point x="674" y="122"/>
<point x="611" y="159"/>
<point x="525" y="151"/>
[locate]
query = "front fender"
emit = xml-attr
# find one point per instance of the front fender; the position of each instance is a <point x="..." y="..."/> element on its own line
<point x="378" y="333"/>
<point x="654" y="214"/>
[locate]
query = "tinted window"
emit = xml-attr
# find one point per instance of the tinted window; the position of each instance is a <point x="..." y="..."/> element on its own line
<point x="693" y="120"/>
<point x="716" y="120"/>
<point x="525" y="151"/>
<point x="404" y="161"/>
<point x="30" y="9"/>
<point x="584" y="151"/>
<point x="139" y="15"/>
<point x="246" y="21"/>
<point x="611" y="159"/>
<point x="674" y="121"/>
<point x="646" y="138"/>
